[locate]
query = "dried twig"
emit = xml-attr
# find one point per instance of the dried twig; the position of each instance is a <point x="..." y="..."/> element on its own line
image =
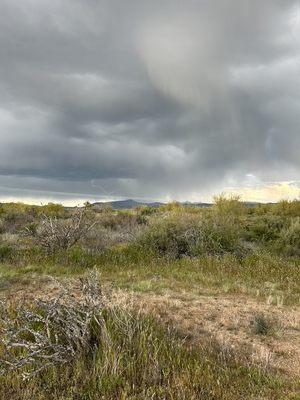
<point x="54" y="234"/>
<point x="50" y="332"/>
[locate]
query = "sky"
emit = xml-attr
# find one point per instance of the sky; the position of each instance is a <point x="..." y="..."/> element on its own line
<point x="152" y="100"/>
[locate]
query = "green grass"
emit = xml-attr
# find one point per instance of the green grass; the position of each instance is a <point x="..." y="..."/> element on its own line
<point x="137" y="359"/>
<point x="259" y="274"/>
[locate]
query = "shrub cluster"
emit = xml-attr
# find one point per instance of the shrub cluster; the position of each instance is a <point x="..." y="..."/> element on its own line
<point x="289" y="238"/>
<point x="173" y="230"/>
<point x="179" y="235"/>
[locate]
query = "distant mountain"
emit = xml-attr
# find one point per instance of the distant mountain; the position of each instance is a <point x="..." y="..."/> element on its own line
<point x="130" y="203"/>
<point x="127" y="204"/>
<point x="201" y="205"/>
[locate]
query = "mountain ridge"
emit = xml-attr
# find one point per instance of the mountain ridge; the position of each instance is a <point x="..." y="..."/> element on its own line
<point x="131" y="203"/>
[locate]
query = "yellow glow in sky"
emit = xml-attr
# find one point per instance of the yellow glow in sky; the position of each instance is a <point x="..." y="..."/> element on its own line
<point x="268" y="193"/>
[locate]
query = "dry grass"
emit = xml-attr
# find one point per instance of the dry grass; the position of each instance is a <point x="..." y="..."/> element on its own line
<point x="229" y="319"/>
<point x="138" y="358"/>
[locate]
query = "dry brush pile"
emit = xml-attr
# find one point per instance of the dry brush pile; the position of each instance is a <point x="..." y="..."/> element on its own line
<point x="50" y="332"/>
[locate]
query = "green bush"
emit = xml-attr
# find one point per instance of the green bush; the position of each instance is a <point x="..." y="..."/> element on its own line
<point x="53" y="210"/>
<point x="31" y="229"/>
<point x="264" y="229"/>
<point x="6" y="252"/>
<point x="178" y="235"/>
<point x="229" y="206"/>
<point x="146" y="211"/>
<point x="219" y="236"/>
<point x="2" y="226"/>
<point x="287" y="208"/>
<point x="170" y="236"/>
<point x="289" y="238"/>
<point x="14" y="216"/>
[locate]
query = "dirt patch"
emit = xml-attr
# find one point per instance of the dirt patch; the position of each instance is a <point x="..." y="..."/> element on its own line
<point x="231" y="321"/>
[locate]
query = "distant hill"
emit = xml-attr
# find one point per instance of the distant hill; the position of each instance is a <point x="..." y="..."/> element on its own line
<point x="130" y="203"/>
<point x="127" y="204"/>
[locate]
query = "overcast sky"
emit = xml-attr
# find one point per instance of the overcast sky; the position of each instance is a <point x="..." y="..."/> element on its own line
<point x="160" y="99"/>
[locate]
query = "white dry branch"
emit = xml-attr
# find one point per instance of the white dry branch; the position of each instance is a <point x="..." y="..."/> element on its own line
<point x="50" y="332"/>
<point x="54" y="233"/>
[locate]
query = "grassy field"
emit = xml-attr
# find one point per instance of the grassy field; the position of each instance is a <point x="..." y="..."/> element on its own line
<point x="200" y="303"/>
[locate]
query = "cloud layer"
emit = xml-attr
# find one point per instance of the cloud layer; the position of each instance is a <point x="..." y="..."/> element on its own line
<point x="161" y="99"/>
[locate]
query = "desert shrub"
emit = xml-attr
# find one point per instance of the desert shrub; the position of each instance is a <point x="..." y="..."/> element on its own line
<point x="102" y="208"/>
<point x="231" y="206"/>
<point x="2" y="226"/>
<point x="170" y="236"/>
<point x="289" y="238"/>
<point x="119" y="220"/>
<point x="13" y="208"/>
<point x="261" y="324"/>
<point x="174" y="206"/>
<point x="146" y="211"/>
<point x="6" y="252"/>
<point x="113" y="229"/>
<point x="265" y="228"/>
<point x="15" y="217"/>
<point x="99" y="239"/>
<point x="260" y="209"/>
<point x="219" y="236"/>
<point x="52" y="210"/>
<point x="54" y="234"/>
<point x="287" y="208"/>
<point x="30" y="229"/>
<point x="190" y="235"/>
<point x="50" y="332"/>
<point x="14" y="220"/>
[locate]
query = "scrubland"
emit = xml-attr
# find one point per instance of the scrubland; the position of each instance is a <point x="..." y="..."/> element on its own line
<point x="175" y="302"/>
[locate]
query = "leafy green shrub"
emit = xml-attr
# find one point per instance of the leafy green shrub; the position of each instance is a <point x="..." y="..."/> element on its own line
<point x="219" y="236"/>
<point x="289" y="238"/>
<point x="2" y="226"/>
<point x="287" y="208"/>
<point x="173" y="206"/>
<point x="178" y="235"/>
<point x="14" y="216"/>
<point x="53" y="210"/>
<point x="229" y="206"/>
<point x="146" y="211"/>
<point x="170" y="236"/>
<point x="31" y="229"/>
<point x="264" y="229"/>
<point x="6" y="252"/>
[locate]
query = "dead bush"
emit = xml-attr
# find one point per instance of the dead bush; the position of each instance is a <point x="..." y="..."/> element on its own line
<point x="54" y="234"/>
<point x="50" y="332"/>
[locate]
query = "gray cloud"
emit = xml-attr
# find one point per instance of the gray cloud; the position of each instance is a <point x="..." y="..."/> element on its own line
<point x="147" y="99"/>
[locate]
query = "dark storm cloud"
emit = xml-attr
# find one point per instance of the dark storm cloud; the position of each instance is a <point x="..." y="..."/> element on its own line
<point x="147" y="99"/>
